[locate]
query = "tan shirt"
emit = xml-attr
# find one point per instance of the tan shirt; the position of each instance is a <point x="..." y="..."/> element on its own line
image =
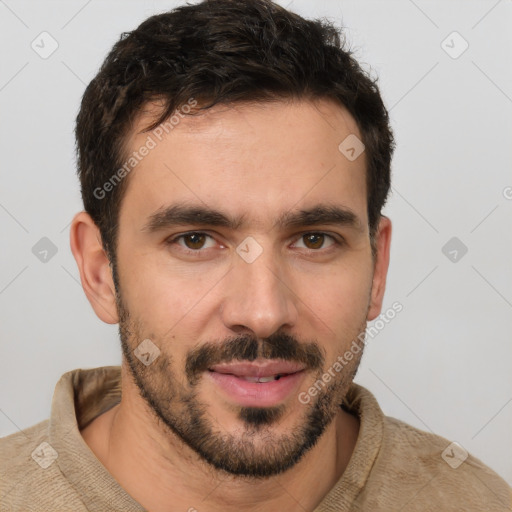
<point x="394" y="466"/>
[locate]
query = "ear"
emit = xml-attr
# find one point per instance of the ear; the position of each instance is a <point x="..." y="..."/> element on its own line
<point x="93" y="264"/>
<point x="381" y="264"/>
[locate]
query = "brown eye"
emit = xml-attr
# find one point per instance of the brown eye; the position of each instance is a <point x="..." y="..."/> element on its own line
<point x="194" y="240"/>
<point x="313" y="240"/>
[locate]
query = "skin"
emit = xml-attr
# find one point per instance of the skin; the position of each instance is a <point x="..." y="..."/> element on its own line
<point x="257" y="161"/>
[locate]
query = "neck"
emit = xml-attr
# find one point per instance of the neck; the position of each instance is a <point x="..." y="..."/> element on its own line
<point x="163" y="474"/>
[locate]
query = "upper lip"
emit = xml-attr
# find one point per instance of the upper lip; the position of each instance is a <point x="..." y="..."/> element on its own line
<point x="258" y="368"/>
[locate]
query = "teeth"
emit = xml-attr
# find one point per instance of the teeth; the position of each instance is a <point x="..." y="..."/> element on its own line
<point x="250" y="379"/>
<point x="267" y="379"/>
<point x="262" y="379"/>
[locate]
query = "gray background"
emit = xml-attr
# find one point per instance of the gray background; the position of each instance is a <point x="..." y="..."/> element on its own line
<point x="443" y="363"/>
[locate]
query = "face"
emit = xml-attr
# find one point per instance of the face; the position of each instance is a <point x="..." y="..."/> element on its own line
<point x="244" y="257"/>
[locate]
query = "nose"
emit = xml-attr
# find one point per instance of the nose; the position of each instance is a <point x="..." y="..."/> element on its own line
<point x="258" y="300"/>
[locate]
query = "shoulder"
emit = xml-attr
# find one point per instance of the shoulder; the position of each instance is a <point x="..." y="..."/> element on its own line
<point x="430" y="472"/>
<point x="29" y="477"/>
<point x="15" y="448"/>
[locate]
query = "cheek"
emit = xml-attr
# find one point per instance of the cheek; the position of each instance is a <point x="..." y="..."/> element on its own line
<point x="169" y="299"/>
<point x="338" y="298"/>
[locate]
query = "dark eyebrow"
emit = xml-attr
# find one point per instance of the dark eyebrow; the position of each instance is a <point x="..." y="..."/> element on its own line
<point x="179" y="214"/>
<point x="320" y="214"/>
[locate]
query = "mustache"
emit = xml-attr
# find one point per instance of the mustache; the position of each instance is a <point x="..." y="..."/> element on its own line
<point x="248" y="348"/>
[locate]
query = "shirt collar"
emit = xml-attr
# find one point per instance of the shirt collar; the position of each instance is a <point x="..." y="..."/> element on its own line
<point x="79" y="397"/>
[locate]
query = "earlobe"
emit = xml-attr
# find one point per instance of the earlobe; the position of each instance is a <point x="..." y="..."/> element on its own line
<point x="383" y="245"/>
<point x="94" y="268"/>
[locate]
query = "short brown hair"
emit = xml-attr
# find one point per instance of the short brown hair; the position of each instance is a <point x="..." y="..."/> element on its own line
<point x="221" y="51"/>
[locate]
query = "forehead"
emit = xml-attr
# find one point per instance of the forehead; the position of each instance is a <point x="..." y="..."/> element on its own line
<point x="254" y="159"/>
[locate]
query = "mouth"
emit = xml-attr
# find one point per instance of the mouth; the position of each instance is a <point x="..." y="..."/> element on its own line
<point x="261" y="379"/>
<point x="260" y="383"/>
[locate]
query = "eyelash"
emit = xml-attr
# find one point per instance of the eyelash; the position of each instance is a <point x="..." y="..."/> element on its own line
<point x="173" y="240"/>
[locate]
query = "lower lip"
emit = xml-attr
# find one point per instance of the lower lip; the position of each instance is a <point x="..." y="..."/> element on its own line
<point x="257" y="394"/>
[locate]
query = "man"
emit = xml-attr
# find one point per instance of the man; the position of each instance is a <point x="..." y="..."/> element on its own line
<point x="234" y="160"/>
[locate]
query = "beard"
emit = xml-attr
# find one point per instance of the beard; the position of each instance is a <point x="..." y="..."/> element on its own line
<point x="256" y="450"/>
